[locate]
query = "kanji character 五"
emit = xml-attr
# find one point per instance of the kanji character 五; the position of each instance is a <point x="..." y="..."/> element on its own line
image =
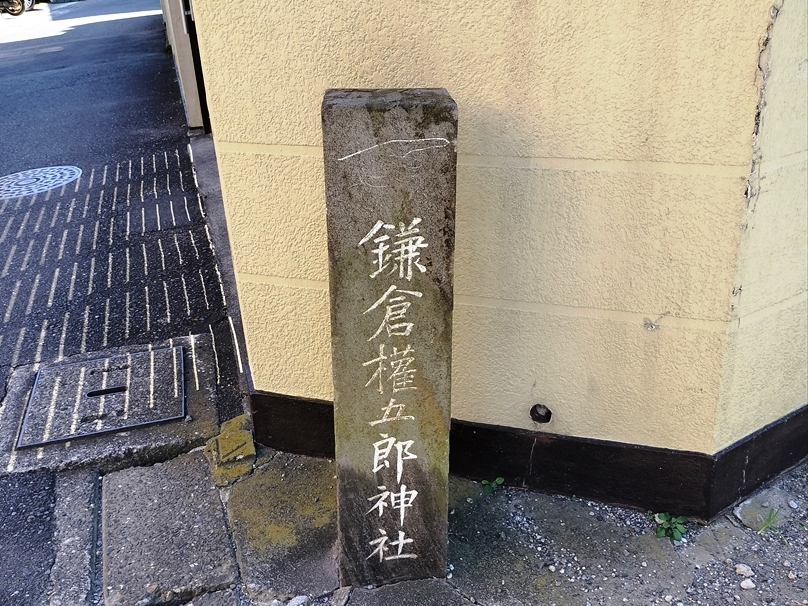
<point x="387" y="412"/>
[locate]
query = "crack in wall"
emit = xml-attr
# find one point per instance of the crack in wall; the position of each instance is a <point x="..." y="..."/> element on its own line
<point x="753" y="182"/>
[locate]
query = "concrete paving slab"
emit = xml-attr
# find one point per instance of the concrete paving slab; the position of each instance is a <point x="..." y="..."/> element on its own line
<point x="165" y="538"/>
<point x="768" y="508"/>
<point x="75" y="520"/>
<point x="430" y="592"/>
<point x="283" y="519"/>
<point x="227" y="597"/>
<point x="142" y="445"/>
<point x="231" y="454"/>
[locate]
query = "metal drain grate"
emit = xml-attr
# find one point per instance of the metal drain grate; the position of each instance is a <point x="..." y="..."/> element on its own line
<point x="104" y="395"/>
<point x="36" y="180"/>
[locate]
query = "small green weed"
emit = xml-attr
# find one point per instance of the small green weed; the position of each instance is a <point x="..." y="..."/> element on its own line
<point x="804" y="524"/>
<point x="489" y="487"/>
<point x="670" y="526"/>
<point x="770" y="520"/>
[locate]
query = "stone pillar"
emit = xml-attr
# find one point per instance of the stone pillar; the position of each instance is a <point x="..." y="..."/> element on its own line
<point x="390" y="166"/>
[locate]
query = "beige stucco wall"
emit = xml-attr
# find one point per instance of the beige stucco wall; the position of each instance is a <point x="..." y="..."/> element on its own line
<point x="604" y="155"/>
<point x="766" y="372"/>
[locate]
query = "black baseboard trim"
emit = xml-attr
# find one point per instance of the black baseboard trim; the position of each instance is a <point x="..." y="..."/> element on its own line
<point x="295" y="425"/>
<point x="659" y="479"/>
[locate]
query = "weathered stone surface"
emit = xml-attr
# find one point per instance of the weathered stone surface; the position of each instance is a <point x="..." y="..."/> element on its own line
<point x="340" y="596"/>
<point x="283" y="519"/>
<point x="218" y="598"/>
<point x="413" y="593"/>
<point x="231" y="454"/>
<point x="164" y="534"/>
<point x="390" y="165"/>
<point x="75" y="519"/>
<point x="754" y="512"/>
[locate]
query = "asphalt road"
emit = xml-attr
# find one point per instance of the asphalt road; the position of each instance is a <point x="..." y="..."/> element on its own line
<point x="121" y="256"/>
<point x="86" y="82"/>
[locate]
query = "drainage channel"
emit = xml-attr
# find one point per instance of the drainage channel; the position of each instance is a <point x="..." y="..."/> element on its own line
<point x="104" y="395"/>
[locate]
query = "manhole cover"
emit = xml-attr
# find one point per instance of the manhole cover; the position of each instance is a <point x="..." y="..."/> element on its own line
<point x="30" y="182"/>
<point x="104" y="395"/>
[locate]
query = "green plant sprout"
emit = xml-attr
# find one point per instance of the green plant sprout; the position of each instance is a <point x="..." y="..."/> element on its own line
<point x="770" y="520"/>
<point x="489" y="487"/>
<point x="804" y="524"/>
<point x="670" y="526"/>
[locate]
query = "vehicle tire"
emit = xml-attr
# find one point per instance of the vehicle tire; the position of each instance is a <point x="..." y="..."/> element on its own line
<point x="29" y="4"/>
<point x="17" y="8"/>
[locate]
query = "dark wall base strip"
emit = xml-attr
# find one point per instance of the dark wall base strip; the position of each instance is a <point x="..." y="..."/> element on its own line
<point x="744" y="466"/>
<point x="293" y="424"/>
<point x="659" y="479"/>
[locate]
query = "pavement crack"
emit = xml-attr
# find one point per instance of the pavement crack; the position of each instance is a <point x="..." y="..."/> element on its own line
<point x="5" y="372"/>
<point x="463" y="594"/>
<point x="224" y="496"/>
<point x="97" y="551"/>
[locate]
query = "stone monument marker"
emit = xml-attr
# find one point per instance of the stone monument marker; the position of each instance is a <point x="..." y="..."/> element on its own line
<point x="390" y="167"/>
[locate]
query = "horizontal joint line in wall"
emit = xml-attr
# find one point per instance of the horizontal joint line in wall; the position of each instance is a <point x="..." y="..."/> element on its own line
<point x="287" y="282"/>
<point x="629" y="317"/>
<point x="519" y="162"/>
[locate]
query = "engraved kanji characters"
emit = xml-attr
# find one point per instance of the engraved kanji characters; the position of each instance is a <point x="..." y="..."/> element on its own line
<point x="399" y="252"/>
<point x="401" y="500"/>
<point x="395" y="311"/>
<point x="401" y="375"/>
<point x="381" y="547"/>
<point x="396" y="251"/>
<point x="382" y="449"/>
<point x="388" y="410"/>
